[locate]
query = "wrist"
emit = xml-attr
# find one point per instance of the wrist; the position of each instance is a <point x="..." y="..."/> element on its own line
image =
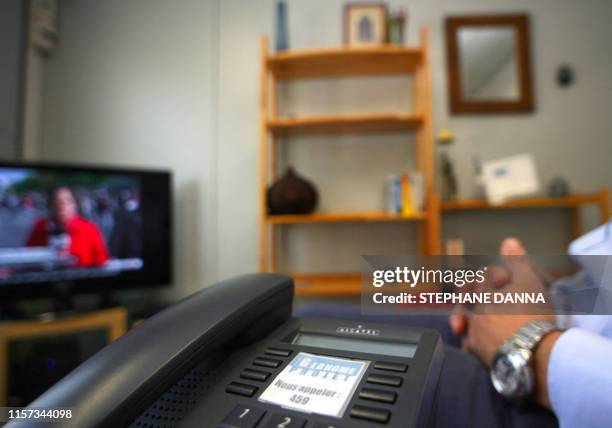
<point x="515" y="373"/>
<point x="541" y="359"/>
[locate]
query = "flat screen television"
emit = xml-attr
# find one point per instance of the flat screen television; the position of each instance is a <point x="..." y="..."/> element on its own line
<point x="86" y="229"/>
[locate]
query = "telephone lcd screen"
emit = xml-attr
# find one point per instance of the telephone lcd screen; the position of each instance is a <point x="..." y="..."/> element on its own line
<point x="316" y="384"/>
<point x="394" y="349"/>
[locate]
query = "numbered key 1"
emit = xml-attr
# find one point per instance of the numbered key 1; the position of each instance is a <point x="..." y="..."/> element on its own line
<point x="242" y="416"/>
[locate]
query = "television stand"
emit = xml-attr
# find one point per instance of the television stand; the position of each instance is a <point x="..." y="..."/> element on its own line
<point x="57" y="345"/>
<point x="64" y="306"/>
<point x="62" y="303"/>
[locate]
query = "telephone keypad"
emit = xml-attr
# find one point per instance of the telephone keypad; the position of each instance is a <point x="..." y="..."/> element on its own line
<point x="273" y="358"/>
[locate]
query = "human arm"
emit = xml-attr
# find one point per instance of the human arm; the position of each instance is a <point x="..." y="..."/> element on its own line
<point x="579" y="379"/>
<point x="571" y="370"/>
<point x="38" y="235"/>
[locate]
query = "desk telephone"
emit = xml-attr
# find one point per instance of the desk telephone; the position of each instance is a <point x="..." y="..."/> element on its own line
<point x="231" y="355"/>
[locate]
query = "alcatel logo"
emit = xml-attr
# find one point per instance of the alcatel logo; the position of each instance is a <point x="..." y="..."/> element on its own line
<point x="359" y="330"/>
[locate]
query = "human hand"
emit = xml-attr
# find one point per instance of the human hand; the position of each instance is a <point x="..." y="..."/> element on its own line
<point x="517" y="275"/>
<point x="497" y="277"/>
<point x="487" y="327"/>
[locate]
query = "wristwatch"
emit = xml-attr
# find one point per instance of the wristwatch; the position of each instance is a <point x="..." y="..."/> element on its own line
<point x="511" y="373"/>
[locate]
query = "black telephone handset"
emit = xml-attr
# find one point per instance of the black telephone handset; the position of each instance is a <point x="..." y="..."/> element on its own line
<point x="117" y="384"/>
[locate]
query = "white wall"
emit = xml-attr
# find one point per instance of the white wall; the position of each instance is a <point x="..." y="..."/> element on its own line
<point x="175" y="84"/>
<point x="133" y="83"/>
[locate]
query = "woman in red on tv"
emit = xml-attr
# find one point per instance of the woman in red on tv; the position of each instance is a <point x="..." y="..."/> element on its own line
<point x="85" y="240"/>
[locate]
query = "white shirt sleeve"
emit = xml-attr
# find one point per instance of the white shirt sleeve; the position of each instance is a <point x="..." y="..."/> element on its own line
<point x="580" y="379"/>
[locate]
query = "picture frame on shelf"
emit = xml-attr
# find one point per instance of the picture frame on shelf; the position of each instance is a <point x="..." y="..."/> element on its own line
<point x="365" y="24"/>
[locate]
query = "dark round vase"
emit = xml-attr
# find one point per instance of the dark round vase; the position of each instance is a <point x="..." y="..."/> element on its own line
<point x="292" y="194"/>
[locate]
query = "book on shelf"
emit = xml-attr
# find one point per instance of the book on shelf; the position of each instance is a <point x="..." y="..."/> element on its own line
<point x="405" y="193"/>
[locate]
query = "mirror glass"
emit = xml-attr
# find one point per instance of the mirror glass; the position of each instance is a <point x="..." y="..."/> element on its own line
<point x="488" y="63"/>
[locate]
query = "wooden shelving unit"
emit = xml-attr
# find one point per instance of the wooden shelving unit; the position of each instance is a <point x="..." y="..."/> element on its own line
<point x="337" y="63"/>
<point x="572" y="202"/>
<point x="373" y="61"/>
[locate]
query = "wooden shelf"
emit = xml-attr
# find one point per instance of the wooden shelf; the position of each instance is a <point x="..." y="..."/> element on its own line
<point x="349" y="285"/>
<point x="344" y="61"/>
<point x="535" y="202"/>
<point x="349" y="217"/>
<point x="329" y="284"/>
<point x="345" y="124"/>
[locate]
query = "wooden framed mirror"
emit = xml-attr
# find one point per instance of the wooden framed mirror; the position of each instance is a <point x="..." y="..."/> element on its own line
<point x="489" y="64"/>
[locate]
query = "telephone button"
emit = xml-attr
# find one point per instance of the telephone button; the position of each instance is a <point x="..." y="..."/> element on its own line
<point x="242" y="416"/>
<point x="267" y="362"/>
<point x="278" y="352"/>
<point x="390" y="367"/>
<point x="283" y="420"/>
<point x="254" y="375"/>
<point x="378" y="395"/>
<point x="370" y="414"/>
<point x="326" y="425"/>
<point x="384" y="380"/>
<point x="241" y="389"/>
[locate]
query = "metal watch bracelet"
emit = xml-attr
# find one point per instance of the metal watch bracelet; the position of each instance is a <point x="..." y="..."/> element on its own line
<point x="532" y="333"/>
<point x="511" y="372"/>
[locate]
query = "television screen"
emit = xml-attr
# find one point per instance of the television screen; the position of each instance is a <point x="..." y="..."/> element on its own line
<point x="84" y="226"/>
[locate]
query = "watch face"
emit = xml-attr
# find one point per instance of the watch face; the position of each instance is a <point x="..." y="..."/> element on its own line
<point x="510" y="375"/>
